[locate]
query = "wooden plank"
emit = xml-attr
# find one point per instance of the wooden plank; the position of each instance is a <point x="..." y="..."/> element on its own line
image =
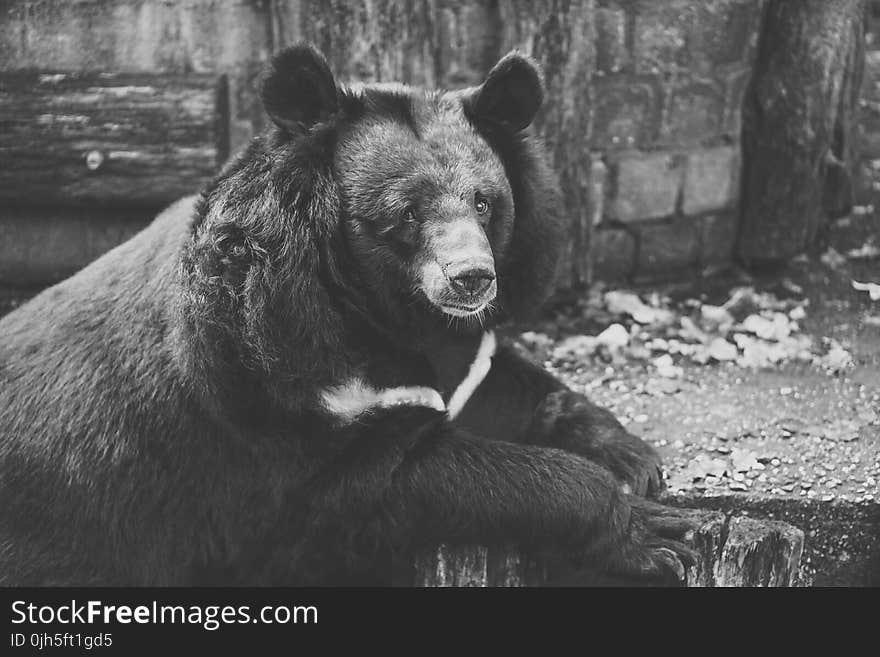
<point x="229" y="37"/>
<point x="107" y="138"/>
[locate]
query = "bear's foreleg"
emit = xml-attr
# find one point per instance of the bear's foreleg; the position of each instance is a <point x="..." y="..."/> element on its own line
<point x="411" y="478"/>
<point x="521" y="402"/>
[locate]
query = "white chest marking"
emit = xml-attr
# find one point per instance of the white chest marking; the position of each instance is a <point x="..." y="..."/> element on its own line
<point x="477" y="372"/>
<point x="356" y="397"/>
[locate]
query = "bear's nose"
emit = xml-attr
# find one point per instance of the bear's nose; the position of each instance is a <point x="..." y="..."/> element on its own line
<point x="472" y="282"/>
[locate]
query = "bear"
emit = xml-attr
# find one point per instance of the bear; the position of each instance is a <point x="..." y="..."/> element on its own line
<point x="294" y="378"/>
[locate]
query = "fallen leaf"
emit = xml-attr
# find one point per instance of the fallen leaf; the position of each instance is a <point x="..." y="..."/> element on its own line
<point x="791" y="286"/>
<point x="720" y="349"/>
<point x="716" y="318"/>
<point x="832" y="258"/>
<point x="842" y="432"/>
<point x="690" y="331"/>
<point x="757" y="354"/>
<point x="797" y="313"/>
<point x="873" y="289"/>
<point x="536" y="340"/>
<point x="620" y="302"/>
<point x="744" y="460"/>
<point x="836" y="359"/>
<point x="867" y="250"/>
<point x="659" y="387"/>
<point x="774" y="328"/>
<point x="704" y="466"/>
<point x="666" y="368"/>
<point x="615" y="337"/>
<point x="577" y="345"/>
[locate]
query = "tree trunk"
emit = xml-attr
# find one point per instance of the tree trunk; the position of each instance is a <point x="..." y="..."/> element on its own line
<point x="109" y="139"/>
<point x="799" y="125"/>
<point x="422" y="42"/>
<point x="559" y="34"/>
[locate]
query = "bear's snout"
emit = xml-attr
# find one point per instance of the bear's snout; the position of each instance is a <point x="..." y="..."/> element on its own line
<point x="469" y="280"/>
<point x="459" y="271"/>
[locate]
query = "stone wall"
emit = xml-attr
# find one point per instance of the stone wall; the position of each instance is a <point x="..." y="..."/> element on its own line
<point x="669" y="83"/>
<point x="643" y="117"/>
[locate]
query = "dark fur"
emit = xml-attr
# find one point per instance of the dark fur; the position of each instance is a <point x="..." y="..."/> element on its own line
<point x="159" y="411"/>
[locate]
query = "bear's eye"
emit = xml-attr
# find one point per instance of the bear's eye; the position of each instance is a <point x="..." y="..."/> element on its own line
<point x="409" y="216"/>
<point x="481" y="203"/>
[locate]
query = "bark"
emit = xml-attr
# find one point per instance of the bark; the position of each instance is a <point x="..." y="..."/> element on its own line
<point x="560" y="35"/>
<point x="799" y="125"/>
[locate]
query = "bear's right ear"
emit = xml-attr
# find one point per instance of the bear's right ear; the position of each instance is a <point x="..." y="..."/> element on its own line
<point x="511" y="95"/>
<point x="299" y="90"/>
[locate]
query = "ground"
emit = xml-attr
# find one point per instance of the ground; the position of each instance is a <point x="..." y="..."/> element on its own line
<point x="756" y="389"/>
<point x="797" y="426"/>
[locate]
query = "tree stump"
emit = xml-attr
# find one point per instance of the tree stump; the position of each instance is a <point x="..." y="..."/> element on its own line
<point x="733" y="552"/>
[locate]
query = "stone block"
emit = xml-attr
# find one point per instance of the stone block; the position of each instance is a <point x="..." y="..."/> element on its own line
<point x="646" y="185"/>
<point x="666" y="248"/>
<point x="726" y="33"/>
<point x="718" y="237"/>
<point x="626" y="113"/>
<point x="711" y="180"/>
<point x="612" y="254"/>
<point x="694" y="115"/>
<point x="612" y="55"/>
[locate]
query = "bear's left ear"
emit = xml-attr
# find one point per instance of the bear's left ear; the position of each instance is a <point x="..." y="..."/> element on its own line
<point x="299" y="90"/>
<point x="511" y="95"/>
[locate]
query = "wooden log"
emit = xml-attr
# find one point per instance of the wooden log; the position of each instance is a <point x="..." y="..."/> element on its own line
<point x="109" y="139"/>
<point x="733" y="552"/>
<point x="799" y="125"/>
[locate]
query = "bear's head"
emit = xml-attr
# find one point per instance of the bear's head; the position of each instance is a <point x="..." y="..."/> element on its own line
<point x="407" y="209"/>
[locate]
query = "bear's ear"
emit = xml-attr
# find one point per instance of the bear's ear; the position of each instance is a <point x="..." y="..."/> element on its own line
<point x="511" y="95"/>
<point x="299" y="90"/>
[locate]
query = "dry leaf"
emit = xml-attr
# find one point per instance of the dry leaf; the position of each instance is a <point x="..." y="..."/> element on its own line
<point x="744" y="460"/>
<point x="831" y="258"/>
<point x="867" y="250"/>
<point x="579" y="346"/>
<point x="620" y="302"/>
<point x="775" y="328"/>
<point x="873" y="289"/>
<point x="716" y="318"/>
<point x="666" y="368"/>
<point x="721" y="349"/>
<point x="615" y="337"/>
